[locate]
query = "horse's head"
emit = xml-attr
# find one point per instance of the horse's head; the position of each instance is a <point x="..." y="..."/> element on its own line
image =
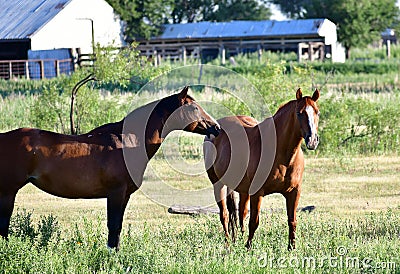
<point x="190" y="116"/>
<point x="308" y="117"/>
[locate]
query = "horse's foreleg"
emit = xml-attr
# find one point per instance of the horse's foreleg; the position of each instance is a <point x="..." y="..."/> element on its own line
<point x="220" y="191"/>
<point x="116" y="204"/>
<point x="292" y="200"/>
<point x="255" y="204"/>
<point x="6" y="209"/>
<point x="243" y="209"/>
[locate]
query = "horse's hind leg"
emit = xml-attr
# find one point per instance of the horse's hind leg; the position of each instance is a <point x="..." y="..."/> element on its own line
<point x="116" y="204"/>
<point x="292" y="200"/>
<point x="243" y="209"/>
<point x="232" y="210"/>
<point x="255" y="204"/>
<point x="6" y="209"/>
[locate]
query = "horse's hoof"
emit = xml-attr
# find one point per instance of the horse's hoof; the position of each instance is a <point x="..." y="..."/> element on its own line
<point x="291" y="247"/>
<point x="248" y="246"/>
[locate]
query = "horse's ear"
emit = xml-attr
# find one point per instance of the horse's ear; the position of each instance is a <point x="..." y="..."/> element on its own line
<point x="299" y="94"/>
<point x="182" y="95"/>
<point x="315" y="95"/>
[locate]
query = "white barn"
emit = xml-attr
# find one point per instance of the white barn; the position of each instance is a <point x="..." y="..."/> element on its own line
<point x="54" y="24"/>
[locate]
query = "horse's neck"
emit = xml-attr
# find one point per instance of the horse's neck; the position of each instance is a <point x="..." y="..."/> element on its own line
<point x="288" y="133"/>
<point x="147" y="127"/>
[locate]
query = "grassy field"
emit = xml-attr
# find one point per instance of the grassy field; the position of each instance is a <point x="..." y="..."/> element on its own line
<point x="354" y="228"/>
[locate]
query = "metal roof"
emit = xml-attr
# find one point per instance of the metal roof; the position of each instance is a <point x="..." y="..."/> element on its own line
<point x="20" y="19"/>
<point x="271" y="28"/>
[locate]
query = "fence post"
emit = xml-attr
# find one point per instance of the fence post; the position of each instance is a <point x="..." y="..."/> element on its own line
<point x="41" y="69"/>
<point x="388" y="48"/>
<point x="184" y="55"/>
<point x="222" y="54"/>
<point x="57" y="68"/>
<point x="10" y="70"/>
<point x="310" y="51"/>
<point x="27" y="70"/>
<point x="299" y="51"/>
<point x="155" y="56"/>
<point x="259" y="51"/>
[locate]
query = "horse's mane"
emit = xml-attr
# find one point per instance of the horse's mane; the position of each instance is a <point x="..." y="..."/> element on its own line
<point x="285" y="108"/>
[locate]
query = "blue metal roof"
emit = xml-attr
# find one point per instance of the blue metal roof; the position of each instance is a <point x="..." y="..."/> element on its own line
<point x="272" y="28"/>
<point x="20" y="19"/>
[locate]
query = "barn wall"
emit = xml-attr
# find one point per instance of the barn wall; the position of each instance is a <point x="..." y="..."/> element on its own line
<point x="68" y="29"/>
<point x="328" y="31"/>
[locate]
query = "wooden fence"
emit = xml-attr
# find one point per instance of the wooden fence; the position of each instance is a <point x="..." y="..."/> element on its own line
<point x="35" y="69"/>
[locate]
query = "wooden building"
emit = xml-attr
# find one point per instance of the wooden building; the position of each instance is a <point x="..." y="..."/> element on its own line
<point x="311" y="39"/>
<point x="38" y="27"/>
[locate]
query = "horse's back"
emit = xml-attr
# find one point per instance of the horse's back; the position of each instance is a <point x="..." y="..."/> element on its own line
<point x="227" y="155"/>
<point x="242" y="120"/>
<point x="62" y="165"/>
<point x="230" y="125"/>
<point x="16" y="139"/>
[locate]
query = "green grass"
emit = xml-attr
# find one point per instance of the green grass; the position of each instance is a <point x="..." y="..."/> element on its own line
<point x="198" y="247"/>
<point x="357" y="213"/>
<point x="352" y="180"/>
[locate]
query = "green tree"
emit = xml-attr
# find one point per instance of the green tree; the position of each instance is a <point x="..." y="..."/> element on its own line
<point x="143" y="18"/>
<point x="219" y="10"/>
<point x="189" y="10"/>
<point x="227" y="10"/>
<point x="359" y="22"/>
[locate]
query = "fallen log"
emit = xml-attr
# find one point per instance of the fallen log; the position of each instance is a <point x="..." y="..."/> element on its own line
<point x="194" y="210"/>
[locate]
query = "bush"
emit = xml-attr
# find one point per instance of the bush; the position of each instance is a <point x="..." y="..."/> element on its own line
<point x="48" y="230"/>
<point x="360" y="125"/>
<point x="21" y="225"/>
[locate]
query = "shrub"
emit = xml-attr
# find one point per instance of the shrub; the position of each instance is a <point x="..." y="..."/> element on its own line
<point x="21" y="225"/>
<point x="48" y="230"/>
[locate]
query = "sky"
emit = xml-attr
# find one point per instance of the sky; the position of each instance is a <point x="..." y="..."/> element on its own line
<point x="276" y="14"/>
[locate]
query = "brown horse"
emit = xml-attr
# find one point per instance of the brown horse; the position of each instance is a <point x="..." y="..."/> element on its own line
<point x="108" y="162"/>
<point x="257" y="159"/>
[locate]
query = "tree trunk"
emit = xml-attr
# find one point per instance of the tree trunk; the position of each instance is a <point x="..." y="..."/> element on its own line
<point x="347" y="49"/>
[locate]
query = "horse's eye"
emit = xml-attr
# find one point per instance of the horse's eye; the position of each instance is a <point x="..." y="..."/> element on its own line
<point x="318" y="113"/>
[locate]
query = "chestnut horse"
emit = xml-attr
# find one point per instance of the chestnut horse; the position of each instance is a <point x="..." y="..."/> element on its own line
<point x="273" y="162"/>
<point x="108" y="162"/>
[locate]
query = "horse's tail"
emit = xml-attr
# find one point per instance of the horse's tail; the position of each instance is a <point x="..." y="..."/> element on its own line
<point x="232" y="209"/>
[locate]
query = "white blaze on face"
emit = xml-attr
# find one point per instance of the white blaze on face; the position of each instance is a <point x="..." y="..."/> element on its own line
<point x="311" y="120"/>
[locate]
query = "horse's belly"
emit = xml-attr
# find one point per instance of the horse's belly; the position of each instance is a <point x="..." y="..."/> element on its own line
<point x="70" y="181"/>
<point x="67" y="187"/>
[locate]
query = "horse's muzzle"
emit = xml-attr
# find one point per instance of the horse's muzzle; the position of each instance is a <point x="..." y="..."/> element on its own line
<point x="214" y="130"/>
<point x="312" y="141"/>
